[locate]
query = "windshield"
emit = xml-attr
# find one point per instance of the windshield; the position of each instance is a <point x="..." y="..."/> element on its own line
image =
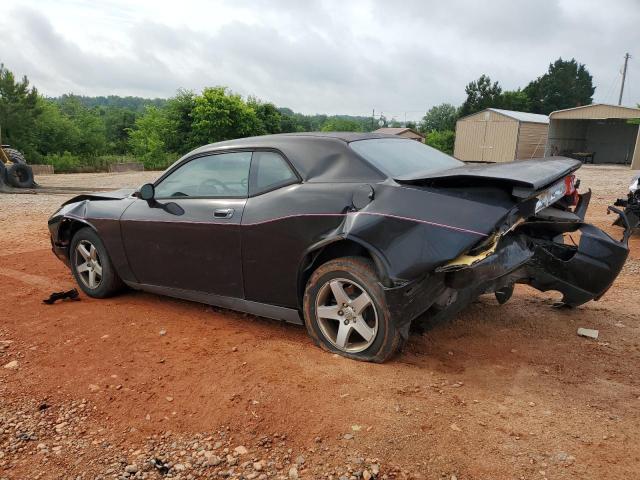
<point x="401" y="157"/>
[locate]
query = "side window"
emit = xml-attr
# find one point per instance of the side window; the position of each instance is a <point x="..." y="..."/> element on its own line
<point x="221" y="175"/>
<point x="270" y="171"/>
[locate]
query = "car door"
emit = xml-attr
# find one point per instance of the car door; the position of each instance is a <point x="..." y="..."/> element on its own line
<point x="188" y="236"/>
<point x="271" y="238"/>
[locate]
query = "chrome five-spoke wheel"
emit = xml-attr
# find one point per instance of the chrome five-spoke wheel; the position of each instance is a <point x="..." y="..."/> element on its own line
<point x="87" y="264"/>
<point x="346" y="315"/>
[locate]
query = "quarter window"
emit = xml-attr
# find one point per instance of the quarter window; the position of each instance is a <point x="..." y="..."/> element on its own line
<point x="222" y="175"/>
<point x="270" y="171"/>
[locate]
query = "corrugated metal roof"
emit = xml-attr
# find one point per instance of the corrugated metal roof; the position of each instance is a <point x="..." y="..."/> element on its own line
<point x="522" y="116"/>
<point x="596" y="111"/>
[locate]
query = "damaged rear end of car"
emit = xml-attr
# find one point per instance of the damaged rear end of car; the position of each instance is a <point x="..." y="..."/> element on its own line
<point x="543" y="240"/>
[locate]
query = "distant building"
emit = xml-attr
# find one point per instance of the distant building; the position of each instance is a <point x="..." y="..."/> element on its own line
<point x="402" y="132"/>
<point x="495" y="135"/>
<point x="596" y="133"/>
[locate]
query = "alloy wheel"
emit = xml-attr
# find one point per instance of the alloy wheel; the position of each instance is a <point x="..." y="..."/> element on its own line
<point x="87" y="264"/>
<point x="346" y="315"/>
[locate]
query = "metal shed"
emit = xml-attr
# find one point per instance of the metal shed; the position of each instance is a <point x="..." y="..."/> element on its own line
<point x="597" y="133"/>
<point x="495" y="135"/>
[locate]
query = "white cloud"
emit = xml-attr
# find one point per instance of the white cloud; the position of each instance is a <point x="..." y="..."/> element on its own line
<point x="324" y="56"/>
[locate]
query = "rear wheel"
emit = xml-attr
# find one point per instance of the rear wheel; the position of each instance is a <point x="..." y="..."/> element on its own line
<point x="91" y="265"/>
<point x="346" y="312"/>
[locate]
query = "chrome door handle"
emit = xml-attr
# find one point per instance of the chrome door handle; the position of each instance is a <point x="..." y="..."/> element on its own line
<point x="223" y="213"/>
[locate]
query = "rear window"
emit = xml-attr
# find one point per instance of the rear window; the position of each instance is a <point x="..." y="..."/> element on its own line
<point x="403" y="158"/>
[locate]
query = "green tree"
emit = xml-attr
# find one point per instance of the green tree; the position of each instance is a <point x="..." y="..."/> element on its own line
<point x="268" y="115"/>
<point x="134" y="104"/>
<point x="566" y="84"/>
<point x="179" y="110"/>
<point x="19" y="110"/>
<point x="92" y="139"/>
<point x="337" y="124"/>
<point x="147" y="138"/>
<point x="297" y="122"/>
<point x="288" y="121"/>
<point x="55" y="133"/>
<point x="117" y="122"/>
<point x="439" y="118"/>
<point x="515" y="100"/>
<point x="481" y="94"/>
<point x="219" y="114"/>
<point x="443" y="141"/>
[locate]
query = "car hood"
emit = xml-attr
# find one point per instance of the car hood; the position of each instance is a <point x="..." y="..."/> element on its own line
<point x="531" y="174"/>
<point x="110" y="195"/>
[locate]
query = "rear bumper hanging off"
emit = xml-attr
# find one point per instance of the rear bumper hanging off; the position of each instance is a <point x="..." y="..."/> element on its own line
<point x="586" y="274"/>
<point x="581" y="273"/>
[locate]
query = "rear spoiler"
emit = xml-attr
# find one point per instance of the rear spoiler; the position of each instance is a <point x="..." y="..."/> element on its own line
<point x="528" y="176"/>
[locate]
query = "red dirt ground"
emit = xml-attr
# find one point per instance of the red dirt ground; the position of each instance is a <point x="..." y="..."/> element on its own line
<point x="501" y="392"/>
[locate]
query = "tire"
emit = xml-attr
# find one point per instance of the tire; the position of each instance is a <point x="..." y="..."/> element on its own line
<point x="104" y="281"/>
<point x="3" y="173"/>
<point x="15" y="156"/>
<point x="20" y="175"/>
<point x="338" y="332"/>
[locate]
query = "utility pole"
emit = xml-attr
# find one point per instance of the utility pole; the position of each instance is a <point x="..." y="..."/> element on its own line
<point x="373" y="119"/>
<point x="624" y="76"/>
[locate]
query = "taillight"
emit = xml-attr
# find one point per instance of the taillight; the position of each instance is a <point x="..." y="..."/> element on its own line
<point x="570" y="189"/>
<point x="569" y="184"/>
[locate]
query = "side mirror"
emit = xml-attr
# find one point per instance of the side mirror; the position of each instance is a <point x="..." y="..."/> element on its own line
<point x="147" y="191"/>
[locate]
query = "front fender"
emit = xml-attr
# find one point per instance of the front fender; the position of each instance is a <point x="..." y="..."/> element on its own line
<point x="62" y="226"/>
<point x="101" y="215"/>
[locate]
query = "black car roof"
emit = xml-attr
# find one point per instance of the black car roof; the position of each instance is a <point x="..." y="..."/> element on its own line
<point x="302" y="136"/>
<point x="318" y="156"/>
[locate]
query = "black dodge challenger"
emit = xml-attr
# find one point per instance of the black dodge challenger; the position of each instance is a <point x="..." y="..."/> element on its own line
<point x="353" y="235"/>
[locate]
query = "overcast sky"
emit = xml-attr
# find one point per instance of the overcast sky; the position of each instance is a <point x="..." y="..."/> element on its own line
<point x="344" y="56"/>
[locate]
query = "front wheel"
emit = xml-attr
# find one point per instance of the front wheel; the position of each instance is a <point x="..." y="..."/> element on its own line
<point x="346" y="312"/>
<point x="91" y="265"/>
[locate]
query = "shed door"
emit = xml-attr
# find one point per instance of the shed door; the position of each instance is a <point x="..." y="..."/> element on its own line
<point x="469" y="140"/>
<point x="500" y="140"/>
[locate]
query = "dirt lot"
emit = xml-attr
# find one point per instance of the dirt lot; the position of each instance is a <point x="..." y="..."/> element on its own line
<point x="141" y="386"/>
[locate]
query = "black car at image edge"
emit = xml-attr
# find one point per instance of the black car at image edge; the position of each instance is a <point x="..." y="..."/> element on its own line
<point x="353" y="235"/>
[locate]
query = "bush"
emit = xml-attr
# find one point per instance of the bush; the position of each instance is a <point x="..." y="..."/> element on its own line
<point x="443" y="141"/>
<point x="69" y="163"/>
<point x="158" y="161"/>
<point x="63" y="163"/>
<point x="101" y="163"/>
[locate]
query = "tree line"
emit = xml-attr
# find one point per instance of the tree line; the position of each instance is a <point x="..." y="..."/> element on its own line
<point x="76" y="133"/>
<point x="79" y="133"/>
<point x="566" y="84"/>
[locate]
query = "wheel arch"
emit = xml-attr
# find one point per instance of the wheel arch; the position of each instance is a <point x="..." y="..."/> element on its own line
<point x="68" y="228"/>
<point x="330" y="249"/>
